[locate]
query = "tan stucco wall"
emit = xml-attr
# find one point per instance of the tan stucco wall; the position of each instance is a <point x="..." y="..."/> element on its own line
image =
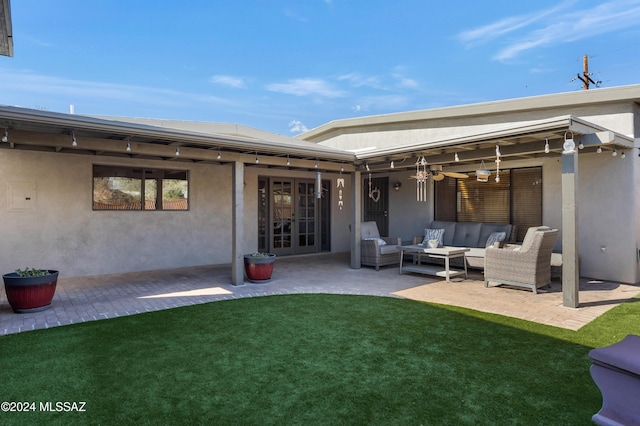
<point x="62" y="232"/>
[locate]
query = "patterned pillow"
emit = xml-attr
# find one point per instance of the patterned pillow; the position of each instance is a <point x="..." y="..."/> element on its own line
<point x="495" y="237"/>
<point x="381" y="242"/>
<point x="433" y="234"/>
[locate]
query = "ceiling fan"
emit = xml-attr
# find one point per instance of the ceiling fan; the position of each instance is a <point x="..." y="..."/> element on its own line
<point x="437" y="174"/>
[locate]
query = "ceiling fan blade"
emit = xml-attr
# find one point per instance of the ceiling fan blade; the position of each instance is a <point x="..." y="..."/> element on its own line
<point x="456" y="175"/>
<point x="438" y="176"/>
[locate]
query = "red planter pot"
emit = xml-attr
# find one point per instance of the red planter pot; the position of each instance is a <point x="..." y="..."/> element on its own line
<point x="259" y="268"/>
<point x="30" y="294"/>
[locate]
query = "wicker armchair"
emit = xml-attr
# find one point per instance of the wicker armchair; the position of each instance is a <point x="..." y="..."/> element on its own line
<point x="375" y="250"/>
<point x="528" y="265"/>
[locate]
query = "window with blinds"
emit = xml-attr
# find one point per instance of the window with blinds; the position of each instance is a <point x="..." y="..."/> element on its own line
<point x="516" y="199"/>
<point x="526" y="199"/>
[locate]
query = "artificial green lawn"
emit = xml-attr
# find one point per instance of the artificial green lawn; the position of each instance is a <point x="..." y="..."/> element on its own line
<point x="310" y="359"/>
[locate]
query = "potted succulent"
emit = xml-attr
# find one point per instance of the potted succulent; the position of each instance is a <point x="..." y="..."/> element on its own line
<point x="29" y="289"/>
<point x="259" y="266"/>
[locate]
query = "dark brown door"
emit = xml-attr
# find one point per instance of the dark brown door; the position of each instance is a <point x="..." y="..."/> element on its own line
<point x="376" y="203"/>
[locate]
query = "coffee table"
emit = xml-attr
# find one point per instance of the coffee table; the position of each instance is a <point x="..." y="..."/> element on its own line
<point x="446" y="253"/>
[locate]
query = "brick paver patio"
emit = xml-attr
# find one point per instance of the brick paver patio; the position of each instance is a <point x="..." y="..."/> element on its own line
<point x="109" y="296"/>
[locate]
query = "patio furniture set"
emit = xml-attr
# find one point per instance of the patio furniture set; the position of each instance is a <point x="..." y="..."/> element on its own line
<point x="462" y="245"/>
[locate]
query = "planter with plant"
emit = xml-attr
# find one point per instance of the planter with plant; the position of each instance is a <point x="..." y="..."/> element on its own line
<point x="259" y="266"/>
<point x="29" y="289"/>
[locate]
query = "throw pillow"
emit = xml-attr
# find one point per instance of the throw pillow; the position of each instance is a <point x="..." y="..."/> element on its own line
<point x="433" y="234"/>
<point x="495" y="237"/>
<point x="381" y="242"/>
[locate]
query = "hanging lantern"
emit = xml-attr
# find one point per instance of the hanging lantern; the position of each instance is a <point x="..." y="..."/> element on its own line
<point x="482" y="174"/>
<point x="569" y="146"/>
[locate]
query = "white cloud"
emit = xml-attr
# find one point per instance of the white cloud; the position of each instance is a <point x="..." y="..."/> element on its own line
<point x="230" y="81"/>
<point x="403" y="81"/>
<point x="358" y="80"/>
<point x="560" y="25"/>
<point x="77" y="90"/>
<point x="306" y="87"/>
<point x="504" y="26"/>
<point x="297" y="126"/>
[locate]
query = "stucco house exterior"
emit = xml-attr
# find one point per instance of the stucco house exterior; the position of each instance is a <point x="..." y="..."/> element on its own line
<point x="97" y="195"/>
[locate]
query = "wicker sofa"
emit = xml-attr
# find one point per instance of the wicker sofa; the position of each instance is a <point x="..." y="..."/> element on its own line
<point x="473" y="235"/>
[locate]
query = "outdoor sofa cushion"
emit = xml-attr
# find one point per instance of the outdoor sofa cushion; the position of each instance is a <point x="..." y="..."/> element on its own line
<point x="472" y="235"/>
<point x="469" y="234"/>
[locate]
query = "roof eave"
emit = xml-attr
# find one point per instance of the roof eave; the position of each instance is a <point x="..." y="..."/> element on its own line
<point x="584" y="97"/>
<point x="81" y="122"/>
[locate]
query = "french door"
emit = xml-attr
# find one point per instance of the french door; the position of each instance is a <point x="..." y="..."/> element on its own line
<point x="294" y="213"/>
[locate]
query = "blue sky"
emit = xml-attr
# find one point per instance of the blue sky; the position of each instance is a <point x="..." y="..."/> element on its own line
<point x="286" y="66"/>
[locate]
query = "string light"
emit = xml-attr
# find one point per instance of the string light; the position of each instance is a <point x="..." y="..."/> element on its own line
<point x="393" y="166"/>
<point x="177" y="151"/>
<point x="73" y="139"/>
<point x="599" y="150"/>
<point x="128" y="146"/>
<point x="615" y="152"/>
<point x="257" y="161"/>
<point x="219" y="154"/>
<point x="546" y="145"/>
<point x="316" y="164"/>
<point x="5" y="136"/>
<point x="456" y="158"/>
<point x="288" y="160"/>
<point x="622" y="155"/>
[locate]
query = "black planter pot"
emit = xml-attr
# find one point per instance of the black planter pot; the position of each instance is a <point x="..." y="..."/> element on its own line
<point x="30" y="294"/>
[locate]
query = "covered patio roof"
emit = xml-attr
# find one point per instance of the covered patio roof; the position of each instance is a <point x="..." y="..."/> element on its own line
<point x="159" y="139"/>
<point x="516" y="141"/>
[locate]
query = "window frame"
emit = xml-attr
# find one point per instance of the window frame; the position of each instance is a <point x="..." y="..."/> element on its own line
<point x="448" y="199"/>
<point x="143" y="176"/>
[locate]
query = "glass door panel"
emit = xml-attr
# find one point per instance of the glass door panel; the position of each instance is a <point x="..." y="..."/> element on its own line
<point x="294" y="213"/>
<point x="283" y="215"/>
<point x="306" y="223"/>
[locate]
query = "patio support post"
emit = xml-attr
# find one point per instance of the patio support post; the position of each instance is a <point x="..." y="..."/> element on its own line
<point x="570" y="266"/>
<point x="237" y="238"/>
<point x="356" y="208"/>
